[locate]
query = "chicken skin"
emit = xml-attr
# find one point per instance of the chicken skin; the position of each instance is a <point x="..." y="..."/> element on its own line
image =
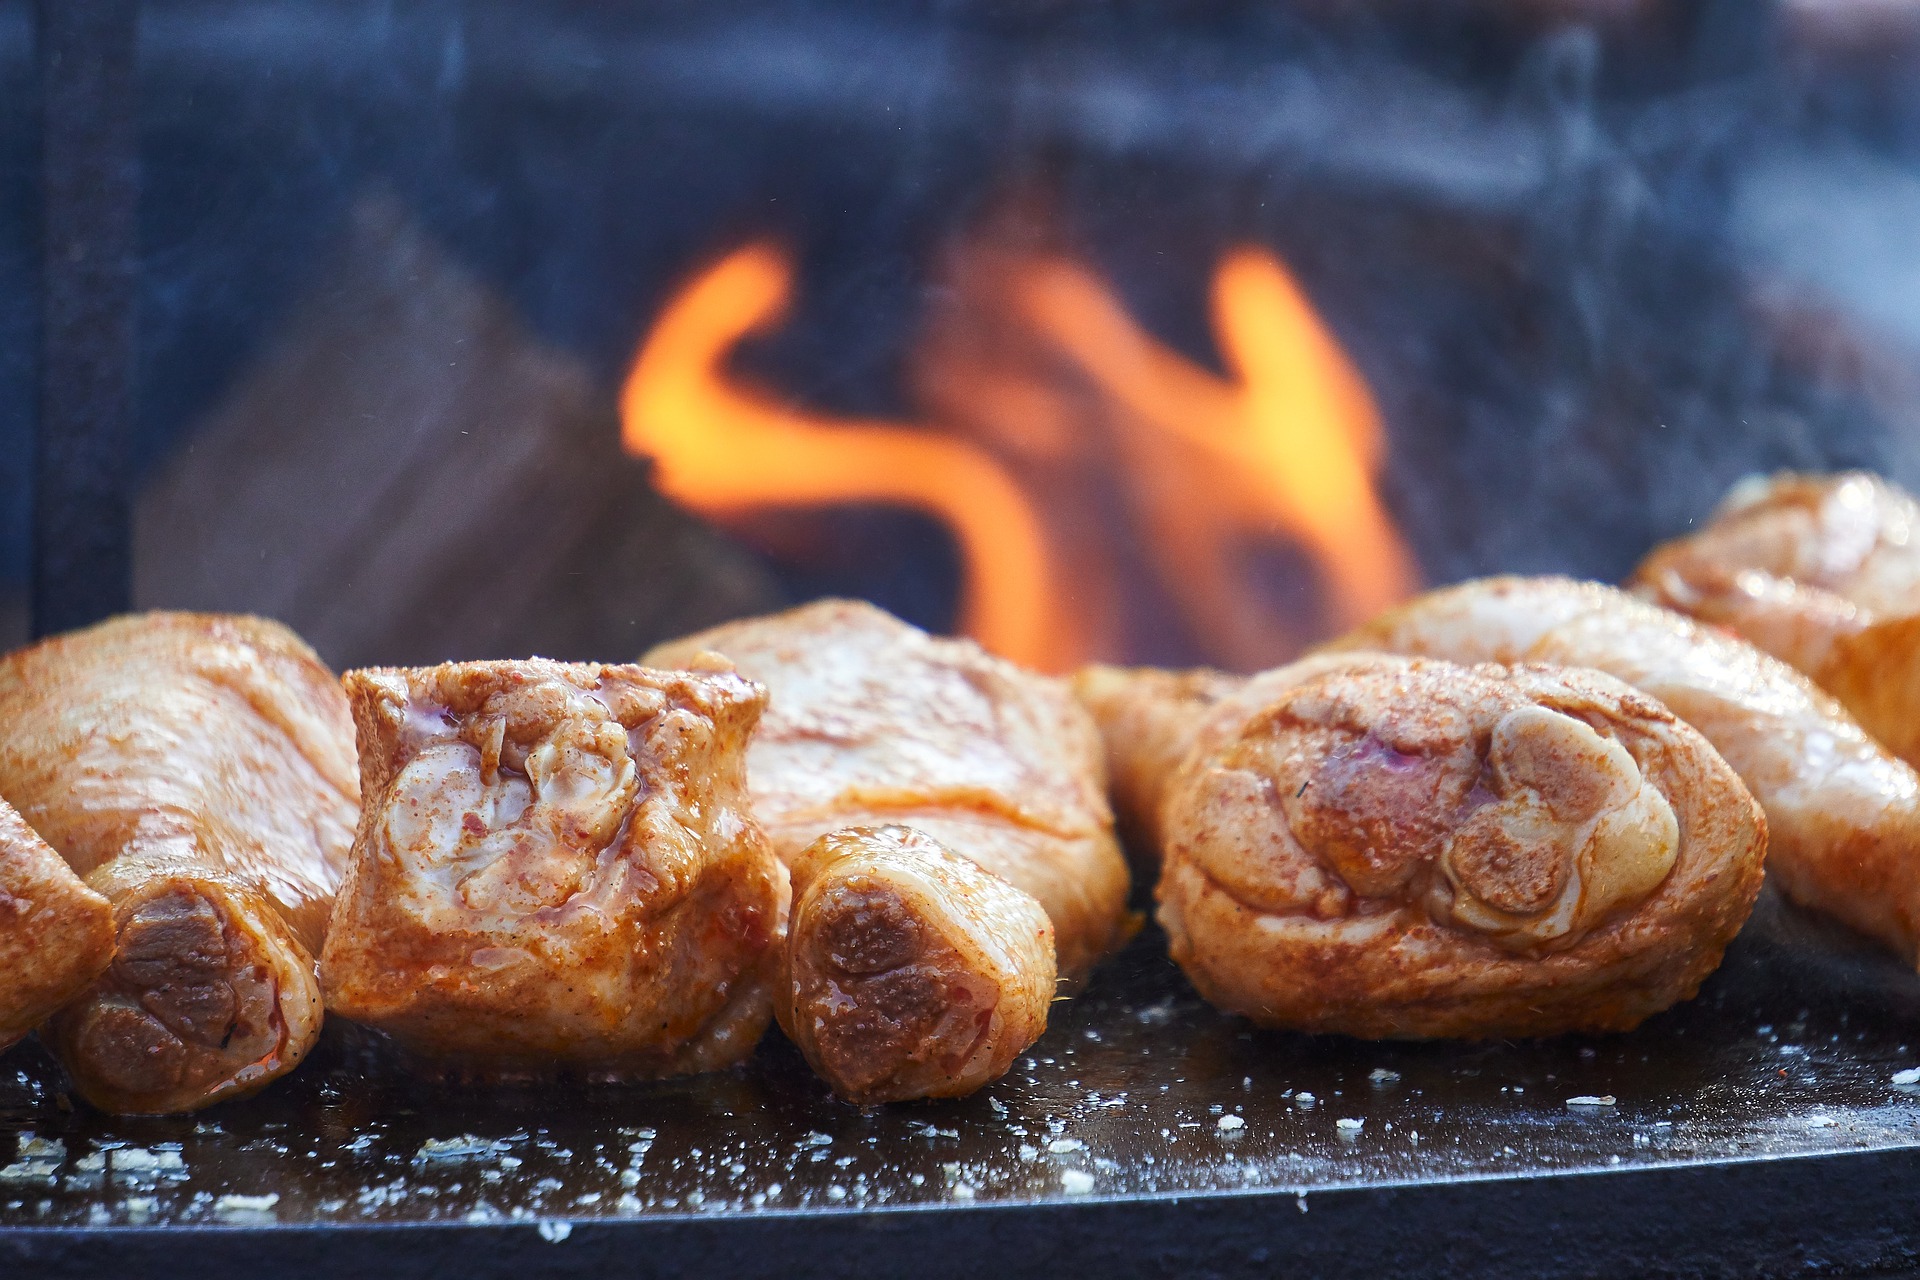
<point x="920" y="975"/>
<point x="556" y="870"/>
<point x="1822" y="572"/>
<point x="1147" y="718"/>
<point x="1391" y="847"/>
<point x="197" y="771"/>
<point x="875" y="723"/>
<point x="56" y="935"/>
<point x="1843" y="815"/>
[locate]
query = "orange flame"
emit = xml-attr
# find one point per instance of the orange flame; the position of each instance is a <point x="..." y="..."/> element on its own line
<point x="1285" y="445"/>
<point x="725" y="448"/>
<point x="1289" y="443"/>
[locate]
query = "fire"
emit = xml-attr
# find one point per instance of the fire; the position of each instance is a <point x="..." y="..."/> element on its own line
<point x="1289" y="442"/>
<point x="723" y="448"/>
<point x="1037" y="383"/>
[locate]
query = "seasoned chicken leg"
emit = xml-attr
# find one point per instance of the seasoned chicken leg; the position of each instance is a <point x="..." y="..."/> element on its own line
<point x="1147" y="718"/>
<point x="914" y="973"/>
<point x="56" y="935"/>
<point x="873" y="723"/>
<point x="556" y="869"/>
<point x="1843" y="815"/>
<point x="1390" y="847"/>
<point x="197" y="770"/>
<point x="1823" y="572"/>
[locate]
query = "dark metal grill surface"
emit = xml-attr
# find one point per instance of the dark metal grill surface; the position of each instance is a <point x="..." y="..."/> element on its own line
<point x="1757" y="1130"/>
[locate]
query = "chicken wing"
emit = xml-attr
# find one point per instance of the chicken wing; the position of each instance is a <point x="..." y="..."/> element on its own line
<point x="1823" y="572"/>
<point x="56" y="935"/>
<point x="197" y="771"/>
<point x="874" y="723"/>
<point x="556" y="870"/>
<point x="914" y="973"/>
<point x="1391" y="847"/>
<point x="1843" y="815"/>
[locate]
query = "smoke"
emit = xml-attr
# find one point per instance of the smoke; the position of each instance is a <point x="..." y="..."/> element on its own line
<point x="1594" y="271"/>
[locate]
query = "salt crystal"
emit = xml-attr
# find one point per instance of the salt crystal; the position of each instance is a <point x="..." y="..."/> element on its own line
<point x="1380" y="1075"/>
<point x="1061" y="1146"/>
<point x="1230" y="1124"/>
<point x="554" y="1232"/>
<point x="236" y="1205"/>
<point x="1076" y="1182"/>
<point x="1910" y="1076"/>
<point x="464" y="1147"/>
<point x="1349" y="1126"/>
<point x="1592" y="1100"/>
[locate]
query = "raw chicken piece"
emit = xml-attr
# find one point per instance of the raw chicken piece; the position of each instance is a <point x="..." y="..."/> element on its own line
<point x="1823" y="572"/>
<point x="1843" y="815"/>
<point x="556" y="870"/>
<point x="872" y="722"/>
<point x="1390" y="847"/>
<point x="56" y="935"/>
<point x="197" y="771"/>
<point x="914" y="973"/>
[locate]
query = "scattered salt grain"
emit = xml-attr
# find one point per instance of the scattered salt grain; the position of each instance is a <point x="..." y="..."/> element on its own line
<point x="554" y="1232"/>
<point x="243" y="1208"/>
<point x="1592" y="1100"/>
<point x="465" y="1147"/>
<point x="1231" y="1124"/>
<point x="1910" y="1076"/>
<point x="1348" y="1126"/>
<point x="1380" y="1075"/>
<point x="1076" y="1182"/>
<point x="1061" y="1146"/>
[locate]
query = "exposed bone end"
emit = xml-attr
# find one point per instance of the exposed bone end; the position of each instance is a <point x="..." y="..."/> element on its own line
<point x="1575" y="834"/>
<point x="912" y="972"/>
<point x="209" y="997"/>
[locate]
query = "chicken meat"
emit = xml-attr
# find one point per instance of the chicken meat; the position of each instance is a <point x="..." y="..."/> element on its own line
<point x="922" y="975"/>
<point x="197" y="771"/>
<point x="1843" y="814"/>
<point x="56" y="935"/>
<point x="1822" y="572"/>
<point x="874" y="723"/>
<point x="556" y="871"/>
<point x="1147" y="718"/>
<point x="1392" y="847"/>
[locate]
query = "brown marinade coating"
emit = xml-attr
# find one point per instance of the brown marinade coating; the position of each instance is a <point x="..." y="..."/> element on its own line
<point x="1822" y="572"/>
<point x="873" y="723"/>
<point x="56" y="935"/>
<point x="556" y="870"/>
<point x="1843" y="814"/>
<point x="197" y="771"/>
<point x="1147" y="717"/>
<point x="1387" y="847"/>
<point x="913" y="973"/>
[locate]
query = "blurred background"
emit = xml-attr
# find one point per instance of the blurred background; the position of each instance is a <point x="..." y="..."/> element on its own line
<point x="1130" y="331"/>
